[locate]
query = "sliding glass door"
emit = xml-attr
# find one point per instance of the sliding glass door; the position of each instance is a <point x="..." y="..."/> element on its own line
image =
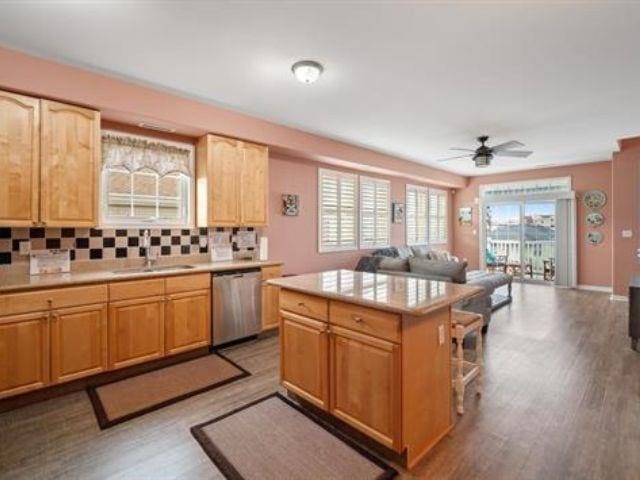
<point x="519" y="239"/>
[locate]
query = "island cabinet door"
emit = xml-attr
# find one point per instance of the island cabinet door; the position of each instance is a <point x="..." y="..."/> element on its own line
<point x="366" y="385"/>
<point x="304" y="360"/>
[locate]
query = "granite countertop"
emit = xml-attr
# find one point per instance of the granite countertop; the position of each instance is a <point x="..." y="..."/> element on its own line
<point x="18" y="280"/>
<point x="415" y="296"/>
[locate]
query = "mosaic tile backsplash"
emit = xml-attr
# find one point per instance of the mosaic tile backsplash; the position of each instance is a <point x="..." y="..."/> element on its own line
<point x="107" y="244"/>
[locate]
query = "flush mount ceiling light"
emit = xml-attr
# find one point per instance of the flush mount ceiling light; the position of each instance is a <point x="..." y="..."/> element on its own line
<point x="307" y="71"/>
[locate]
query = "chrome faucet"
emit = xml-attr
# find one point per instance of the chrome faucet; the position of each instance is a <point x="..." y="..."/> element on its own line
<point x="146" y="243"/>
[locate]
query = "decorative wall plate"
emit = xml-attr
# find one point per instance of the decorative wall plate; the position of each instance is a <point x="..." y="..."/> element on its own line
<point x="595" y="219"/>
<point x="595" y="199"/>
<point x="595" y="238"/>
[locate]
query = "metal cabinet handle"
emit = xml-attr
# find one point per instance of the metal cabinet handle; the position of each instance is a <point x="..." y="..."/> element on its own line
<point x="358" y="319"/>
<point x="301" y="304"/>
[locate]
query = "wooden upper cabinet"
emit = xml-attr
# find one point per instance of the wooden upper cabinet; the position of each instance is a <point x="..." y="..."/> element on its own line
<point x="254" y="177"/>
<point x="78" y="342"/>
<point x="24" y="353"/>
<point x="232" y="182"/>
<point x="70" y="165"/>
<point x="19" y="159"/>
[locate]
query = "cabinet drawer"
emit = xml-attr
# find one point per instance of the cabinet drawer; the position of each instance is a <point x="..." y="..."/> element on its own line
<point x="14" y="303"/>
<point x="136" y="289"/>
<point x="303" y="304"/>
<point x="366" y="320"/>
<point x="188" y="283"/>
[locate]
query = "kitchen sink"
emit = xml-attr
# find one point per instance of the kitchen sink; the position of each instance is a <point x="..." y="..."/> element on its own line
<point x="159" y="268"/>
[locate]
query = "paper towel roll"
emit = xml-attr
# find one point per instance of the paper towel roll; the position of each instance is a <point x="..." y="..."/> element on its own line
<point x="264" y="247"/>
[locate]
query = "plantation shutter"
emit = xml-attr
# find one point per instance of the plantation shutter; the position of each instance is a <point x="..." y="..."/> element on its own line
<point x="417" y="199"/>
<point x="437" y="216"/>
<point x="337" y="210"/>
<point x="375" y="211"/>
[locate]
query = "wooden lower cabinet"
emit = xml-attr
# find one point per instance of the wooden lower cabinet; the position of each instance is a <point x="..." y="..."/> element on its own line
<point x="365" y="386"/>
<point x="270" y="307"/>
<point x="304" y="361"/>
<point x="24" y="353"/>
<point x="78" y="342"/>
<point x="136" y="331"/>
<point x="187" y="321"/>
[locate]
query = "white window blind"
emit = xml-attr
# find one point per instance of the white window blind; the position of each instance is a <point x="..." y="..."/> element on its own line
<point x="416" y="212"/>
<point x="437" y="216"/>
<point x="337" y="210"/>
<point x="375" y="212"/>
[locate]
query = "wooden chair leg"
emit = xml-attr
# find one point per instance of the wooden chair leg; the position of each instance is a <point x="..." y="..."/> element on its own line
<point x="459" y="373"/>
<point x="480" y="362"/>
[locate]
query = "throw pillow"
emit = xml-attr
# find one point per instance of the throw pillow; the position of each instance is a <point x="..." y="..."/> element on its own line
<point x="421" y="251"/>
<point x="405" y="252"/>
<point x="455" y="271"/>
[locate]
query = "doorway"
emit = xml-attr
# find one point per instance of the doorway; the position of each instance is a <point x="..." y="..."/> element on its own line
<point x="520" y="239"/>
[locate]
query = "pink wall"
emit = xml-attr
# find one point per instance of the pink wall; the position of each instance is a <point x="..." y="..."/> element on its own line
<point x="625" y="177"/>
<point x="594" y="262"/>
<point x="131" y="103"/>
<point x="295" y="239"/>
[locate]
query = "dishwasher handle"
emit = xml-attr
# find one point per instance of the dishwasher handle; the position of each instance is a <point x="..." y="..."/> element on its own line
<point x="236" y="273"/>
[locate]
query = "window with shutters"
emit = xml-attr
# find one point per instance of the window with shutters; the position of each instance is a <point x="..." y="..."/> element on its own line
<point x="375" y="212"/>
<point x="437" y="216"/>
<point x="337" y="211"/>
<point x="416" y="215"/>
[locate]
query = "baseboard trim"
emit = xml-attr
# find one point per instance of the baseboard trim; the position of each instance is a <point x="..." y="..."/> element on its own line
<point x="619" y="298"/>
<point x="595" y="288"/>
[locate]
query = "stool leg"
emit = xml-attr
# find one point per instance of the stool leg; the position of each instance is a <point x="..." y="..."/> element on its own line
<point x="480" y="362"/>
<point x="459" y="371"/>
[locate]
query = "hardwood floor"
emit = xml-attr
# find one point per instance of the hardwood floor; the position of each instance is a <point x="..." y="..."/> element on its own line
<point x="562" y="401"/>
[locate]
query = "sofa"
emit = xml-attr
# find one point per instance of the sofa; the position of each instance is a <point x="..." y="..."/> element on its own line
<point x="423" y="262"/>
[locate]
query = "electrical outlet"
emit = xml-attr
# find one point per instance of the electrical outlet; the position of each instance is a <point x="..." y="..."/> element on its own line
<point x="440" y="334"/>
<point x="25" y="247"/>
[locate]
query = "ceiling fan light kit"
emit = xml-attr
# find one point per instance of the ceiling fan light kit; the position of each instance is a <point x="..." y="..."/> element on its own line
<point x="483" y="155"/>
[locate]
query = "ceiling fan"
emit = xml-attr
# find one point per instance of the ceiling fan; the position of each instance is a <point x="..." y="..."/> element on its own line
<point x="483" y="154"/>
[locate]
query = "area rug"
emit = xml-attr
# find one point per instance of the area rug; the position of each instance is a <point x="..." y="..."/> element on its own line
<point x="122" y="400"/>
<point x="273" y="438"/>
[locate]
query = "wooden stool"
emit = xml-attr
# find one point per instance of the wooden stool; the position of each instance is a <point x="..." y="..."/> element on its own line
<point x="463" y="323"/>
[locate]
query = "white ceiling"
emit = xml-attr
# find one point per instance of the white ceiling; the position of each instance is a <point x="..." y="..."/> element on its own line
<point x="410" y="79"/>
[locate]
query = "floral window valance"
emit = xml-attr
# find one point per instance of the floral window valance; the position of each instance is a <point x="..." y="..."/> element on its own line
<point x="136" y="153"/>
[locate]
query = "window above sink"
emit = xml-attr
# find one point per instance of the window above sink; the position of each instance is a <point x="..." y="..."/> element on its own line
<point x="146" y="181"/>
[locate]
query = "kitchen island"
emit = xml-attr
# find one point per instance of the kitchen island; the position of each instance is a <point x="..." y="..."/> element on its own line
<point x="373" y="351"/>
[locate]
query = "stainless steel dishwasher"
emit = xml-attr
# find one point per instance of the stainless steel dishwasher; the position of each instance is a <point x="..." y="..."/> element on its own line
<point x="236" y="304"/>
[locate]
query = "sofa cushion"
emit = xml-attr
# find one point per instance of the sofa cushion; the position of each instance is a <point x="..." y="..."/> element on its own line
<point x="455" y="271"/>
<point x="404" y="252"/>
<point x="421" y="251"/>
<point x="394" y="264"/>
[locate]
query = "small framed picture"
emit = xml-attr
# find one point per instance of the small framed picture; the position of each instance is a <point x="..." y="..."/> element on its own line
<point x="397" y="211"/>
<point x="464" y="216"/>
<point x="290" y="205"/>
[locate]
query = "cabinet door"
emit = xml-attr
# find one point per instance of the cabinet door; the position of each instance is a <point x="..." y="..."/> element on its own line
<point x="19" y="159"/>
<point x="24" y="353"/>
<point x="304" y="362"/>
<point x="270" y="307"/>
<point x="136" y="331"/>
<point x="224" y="160"/>
<point x="365" y="384"/>
<point x="187" y="321"/>
<point x="254" y="185"/>
<point x="70" y="144"/>
<point x="78" y="342"/>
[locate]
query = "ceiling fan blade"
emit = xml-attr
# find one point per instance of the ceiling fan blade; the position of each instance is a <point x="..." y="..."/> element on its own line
<point x="463" y="149"/>
<point x="513" y="153"/>
<point x="507" y="145"/>
<point x="469" y="155"/>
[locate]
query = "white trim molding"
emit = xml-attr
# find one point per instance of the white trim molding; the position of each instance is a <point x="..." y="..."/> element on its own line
<point x="619" y="298"/>
<point x="595" y="288"/>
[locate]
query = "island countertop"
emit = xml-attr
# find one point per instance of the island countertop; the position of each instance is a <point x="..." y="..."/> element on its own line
<point x="394" y="293"/>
